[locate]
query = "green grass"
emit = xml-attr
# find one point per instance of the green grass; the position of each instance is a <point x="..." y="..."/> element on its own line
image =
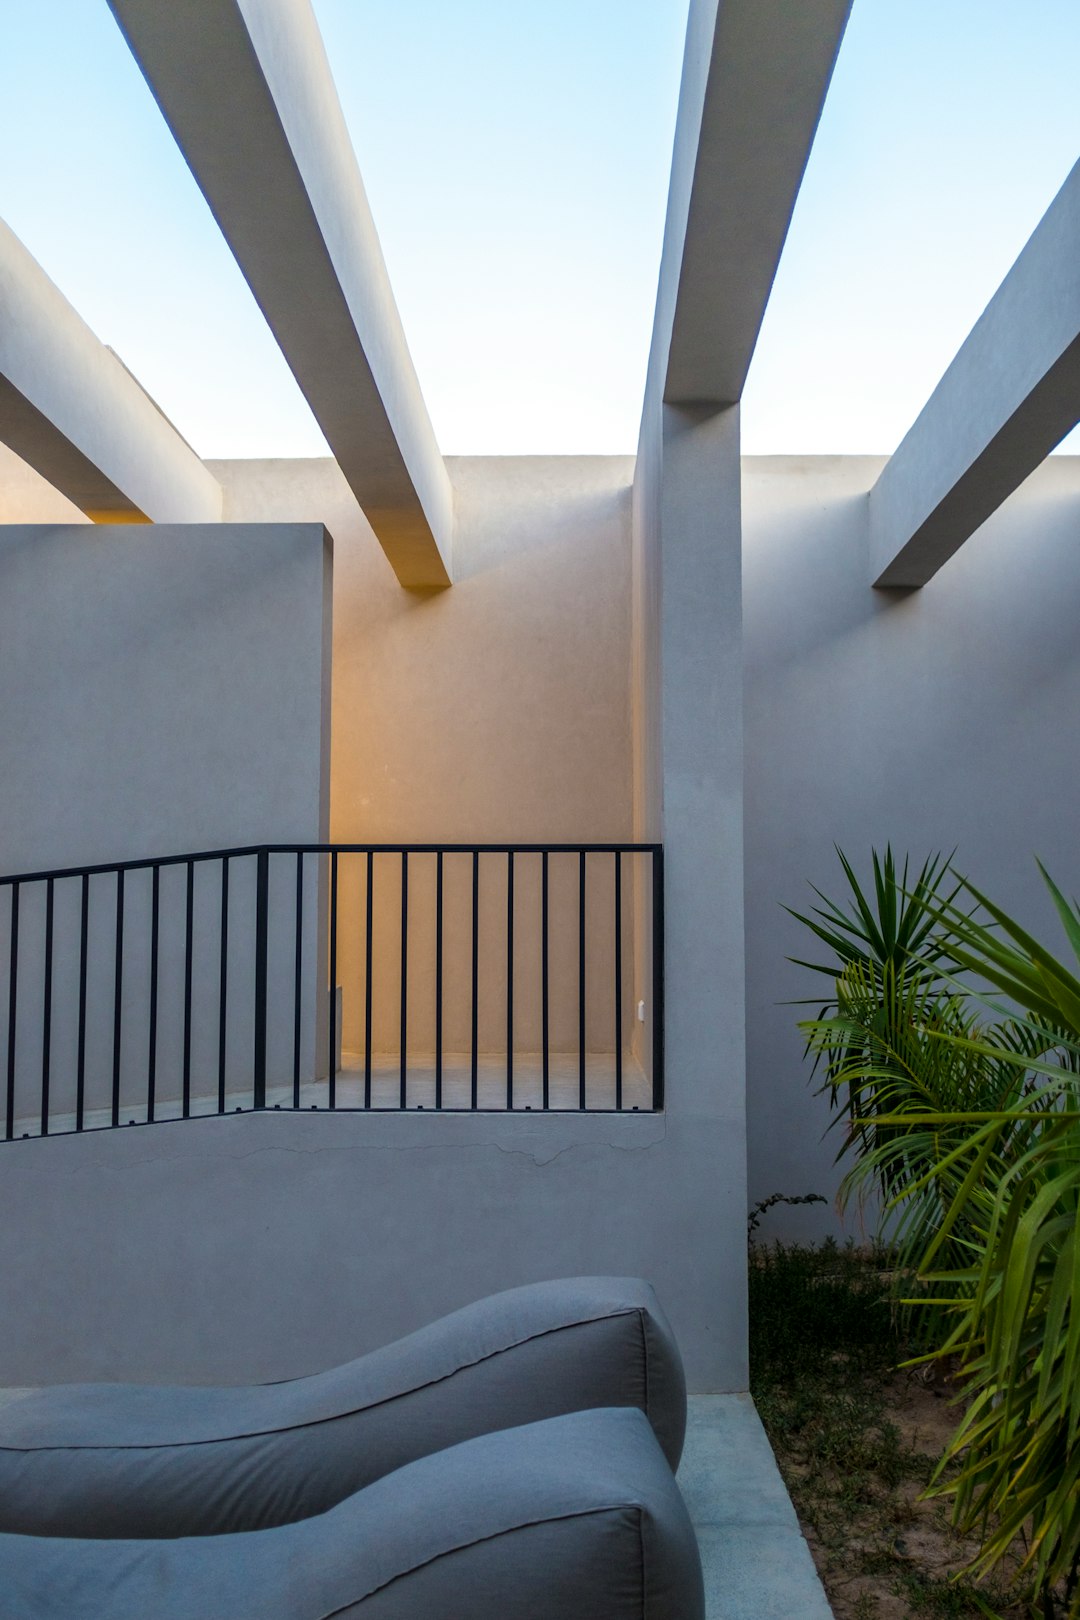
<point x="810" y="1305"/>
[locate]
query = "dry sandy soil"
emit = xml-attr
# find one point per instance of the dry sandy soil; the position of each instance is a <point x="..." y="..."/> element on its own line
<point x="892" y="1556"/>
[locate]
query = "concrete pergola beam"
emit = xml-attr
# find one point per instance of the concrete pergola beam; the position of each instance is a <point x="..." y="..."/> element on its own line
<point x="72" y="410"/>
<point x="754" y="81"/>
<point x="246" y="89"/>
<point x="1010" y="395"/>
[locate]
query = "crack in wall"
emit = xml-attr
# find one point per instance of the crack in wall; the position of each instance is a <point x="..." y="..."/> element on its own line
<point x="540" y="1156"/>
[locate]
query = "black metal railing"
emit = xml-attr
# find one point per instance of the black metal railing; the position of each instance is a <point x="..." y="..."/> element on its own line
<point x="344" y="976"/>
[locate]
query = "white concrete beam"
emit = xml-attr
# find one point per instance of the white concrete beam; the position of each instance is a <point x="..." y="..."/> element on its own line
<point x="1010" y="395"/>
<point x="246" y="89"/>
<point x="754" y="82"/>
<point x="72" y="410"/>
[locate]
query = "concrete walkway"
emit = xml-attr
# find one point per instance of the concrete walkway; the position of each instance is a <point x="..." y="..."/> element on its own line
<point x="757" y="1565"/>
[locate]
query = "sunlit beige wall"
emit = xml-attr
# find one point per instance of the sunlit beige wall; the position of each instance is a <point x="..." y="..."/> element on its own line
<point x="496" y="710"/>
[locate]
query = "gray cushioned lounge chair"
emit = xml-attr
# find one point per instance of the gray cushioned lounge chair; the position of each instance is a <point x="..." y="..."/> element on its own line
<point x="136" y="1461"/>
<point x="575" y="1518"/>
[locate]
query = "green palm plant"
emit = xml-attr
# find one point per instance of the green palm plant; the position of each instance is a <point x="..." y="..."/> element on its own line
<point x="899" y="1047"/>
<point x="1013" y="1466"/>
<point x="957" y="1069"/>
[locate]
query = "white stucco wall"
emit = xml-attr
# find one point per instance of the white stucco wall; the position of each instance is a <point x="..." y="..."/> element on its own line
<point x="941" y="718"/>
<point x="262" y="1247"/>
<point x="501" y="709"/>
<point x="165" y="691"/>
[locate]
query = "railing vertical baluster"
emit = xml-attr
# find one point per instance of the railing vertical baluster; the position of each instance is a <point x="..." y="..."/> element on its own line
<point x="118" y="996"/>
<point x="474" y="1079"/>
<point x="87" y="1013"/>
<point x="368" y="935"/>
<point x="80" y="1058"/>
<point x="297" y="977"/>
<point x="403" y="1037"/>
<point x="581" y="979"/>
<point x="189" y="920"/>
<point x="510" y="978"/>
<point x="332" y="1056"/>
<point x="223" y="985"/>
<point x="438" y="976"/>
<point x="262" y="920"/>
<point x="544" y="1008"/>
<point x="151" y="1056"/>
<point x="13" y="981"/>
<point x="618" y="979"/>
<point x="46" y="1024"/>
<point x="658" y="978"/>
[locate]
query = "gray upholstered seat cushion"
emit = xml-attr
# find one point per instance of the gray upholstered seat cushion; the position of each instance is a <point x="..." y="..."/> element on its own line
<point x="576" y="1518"/>
<point x="130" y="1460"/>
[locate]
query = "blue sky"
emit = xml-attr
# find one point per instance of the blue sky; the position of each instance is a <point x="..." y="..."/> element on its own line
<point x="516" y="157"/>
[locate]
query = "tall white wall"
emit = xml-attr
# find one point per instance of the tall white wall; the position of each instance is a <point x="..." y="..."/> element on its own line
<point x="165" y="690"/>
<point x="941" y="718"/>
<point x="264" y="1246"/>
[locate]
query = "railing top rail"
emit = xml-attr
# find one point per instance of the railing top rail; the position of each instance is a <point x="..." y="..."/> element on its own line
<point x="148" y="863"/>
